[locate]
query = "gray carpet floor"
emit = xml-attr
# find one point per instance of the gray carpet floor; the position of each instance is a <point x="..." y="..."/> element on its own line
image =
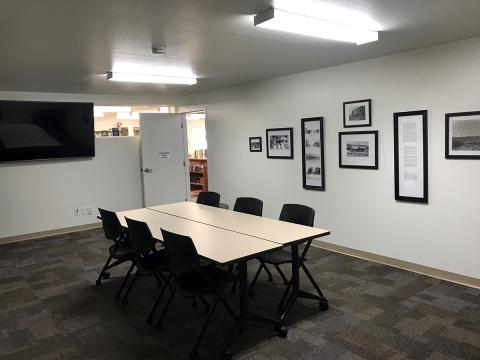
<point x="51" y="309"/>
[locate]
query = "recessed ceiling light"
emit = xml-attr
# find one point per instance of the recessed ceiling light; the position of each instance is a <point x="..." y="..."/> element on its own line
<point x="313" y="25"/>
<point x="151" y="79"/>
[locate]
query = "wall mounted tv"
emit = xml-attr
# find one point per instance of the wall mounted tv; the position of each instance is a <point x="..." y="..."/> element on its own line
<point x="31" y="130"/>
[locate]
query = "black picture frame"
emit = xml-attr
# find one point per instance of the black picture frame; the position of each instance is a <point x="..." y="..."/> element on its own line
<point x="310" y="179"/>
<point x="461" y="154"/>
<point x="342" y="164"/>
<point x="279" y="153"/>
<point x="250" y="142"/>
<point x="423" y="198"/>
<point x="368" y="114"/>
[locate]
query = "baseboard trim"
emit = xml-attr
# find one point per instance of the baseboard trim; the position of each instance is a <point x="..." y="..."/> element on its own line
<point x="42" y="234"/>
<point x="406" y="265"/>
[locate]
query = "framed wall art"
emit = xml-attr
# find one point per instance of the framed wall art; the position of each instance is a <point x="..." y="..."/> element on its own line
<point x="410" y="136"/>
<point x="255" y="144"/>
<point x="280" y="143"/>
<point x="357" y="113"/>
<point x="358" y="150"/>
<point x="462" y="135"/>
<point x="313" y="154"/>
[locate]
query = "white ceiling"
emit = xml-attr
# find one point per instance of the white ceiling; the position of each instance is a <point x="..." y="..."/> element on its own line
<point x="67" y="45"/>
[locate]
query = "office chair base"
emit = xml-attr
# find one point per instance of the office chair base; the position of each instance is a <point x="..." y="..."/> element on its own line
<point x="225" y="355"/>
<point x="323" y="306"/>
<point x="106" y="275"/>
<point x="98" y="283"/>
<point x="282" y="331"/>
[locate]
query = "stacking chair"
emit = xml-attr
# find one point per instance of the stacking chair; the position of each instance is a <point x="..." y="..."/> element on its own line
<point x="120" y="251"/>
<point x="294" y="213"/>
<point x="191" y="280"/>
<point x="146" y="259"/>
<point x="209" y="198"/>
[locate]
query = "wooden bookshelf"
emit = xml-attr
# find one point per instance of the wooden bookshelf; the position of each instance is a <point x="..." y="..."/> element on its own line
<point x="198" y="175"/>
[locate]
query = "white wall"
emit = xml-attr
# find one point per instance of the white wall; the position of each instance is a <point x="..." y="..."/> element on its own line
<point x="41" y="195"/>
<point x="358" y="206"/>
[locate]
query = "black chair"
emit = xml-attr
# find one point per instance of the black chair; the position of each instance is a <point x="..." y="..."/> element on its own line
<point x="147" y="260"/>
<point x="190" y="279"/>
<point x="294" y="213"/>
<point x="209" y="198"/>
<point x="249" y="205"/>
<point x="120" y="251"/>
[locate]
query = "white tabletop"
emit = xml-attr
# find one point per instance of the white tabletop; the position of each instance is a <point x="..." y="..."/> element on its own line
<point x="277" y="231"/>
<point x="216" y="244"/>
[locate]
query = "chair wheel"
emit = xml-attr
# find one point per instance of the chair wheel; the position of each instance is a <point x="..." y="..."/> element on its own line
<point x="194" y="354"/>
<point x="106" y="275"/>
<point x="282" y="331"/>
<point x="124" y="302"/>
<point x="98" y="283"/>
<point x="323" y="306"/>
<point x="226" y="355"/>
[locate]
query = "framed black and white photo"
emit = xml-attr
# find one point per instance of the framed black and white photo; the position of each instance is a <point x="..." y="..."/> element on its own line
<point x="462" y="135"/>
<point x="357" y="113"/>
<point x="255" y="144"/>
<point x="410" y="135"/>
<point x="280" y="143"/>
<point x="358" y="150"/>
<point x="312" y="154"/>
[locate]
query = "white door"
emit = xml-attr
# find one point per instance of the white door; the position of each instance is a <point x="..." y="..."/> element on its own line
<point x="164" y="158"/>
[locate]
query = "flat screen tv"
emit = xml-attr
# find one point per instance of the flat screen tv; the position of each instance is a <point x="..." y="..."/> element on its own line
<point x="32" y="130"/>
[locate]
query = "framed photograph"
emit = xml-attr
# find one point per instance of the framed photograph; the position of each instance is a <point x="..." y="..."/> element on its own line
<point x="357" y="113"/>
<point x="358" y="150"/>
<point x="280" y="143"/>
<point x="410" y="136"/>
<point x="462" y="135"/>
<point x="255" y="144"/>
<point x="312" y="154"/>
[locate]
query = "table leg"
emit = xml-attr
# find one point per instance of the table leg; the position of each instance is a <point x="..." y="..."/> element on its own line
<point x="246" y="314"/>
<point x="298" y="262"/>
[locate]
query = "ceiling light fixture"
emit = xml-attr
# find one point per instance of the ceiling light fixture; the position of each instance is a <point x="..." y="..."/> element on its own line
<point x="311" y="25"/>
<point x="151" y="79"/>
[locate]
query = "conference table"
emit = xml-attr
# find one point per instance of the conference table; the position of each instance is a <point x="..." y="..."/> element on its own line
<point x="226" y="237"/>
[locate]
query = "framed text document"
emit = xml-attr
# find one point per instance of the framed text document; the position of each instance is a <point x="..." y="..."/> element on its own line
<point x="411" y="156"/>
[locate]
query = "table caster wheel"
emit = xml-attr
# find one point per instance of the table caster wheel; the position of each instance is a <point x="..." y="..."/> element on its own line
<point x="106" y="276"/>
<point x="282" y="331"/>
<point x="226" y="355"/>
<point x="98" y="283"/>
<point x="194" y="354"/>
<point x="323" y="306"/>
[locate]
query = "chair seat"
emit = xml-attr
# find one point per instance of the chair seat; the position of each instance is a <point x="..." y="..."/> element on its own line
<point x="120" y="251"/>
<point x="194" y="284"/>
<point x="276" y="257"/>
<point x="152" y="263"/>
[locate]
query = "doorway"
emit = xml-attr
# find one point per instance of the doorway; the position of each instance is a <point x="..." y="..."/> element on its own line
<point x="197" y="153"/>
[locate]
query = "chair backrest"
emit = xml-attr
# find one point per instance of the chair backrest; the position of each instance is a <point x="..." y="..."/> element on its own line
<point x="111" y="225"/>
<point x="182" y="254"/>
<point x="209" y="198"/>
<point x="298" y="214"/>
<point x="141" y="239"/>
<point x="249" y="205"/>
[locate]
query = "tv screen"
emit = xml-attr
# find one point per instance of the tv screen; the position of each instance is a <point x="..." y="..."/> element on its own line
<point x="32" y="130"/>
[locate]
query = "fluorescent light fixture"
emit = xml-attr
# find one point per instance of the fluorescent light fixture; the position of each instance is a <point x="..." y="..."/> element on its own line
<point x="151" y="79"/>
<point x="311" y="25"/>
<point x="128" y="116"/>
<point x="112" y="109"/>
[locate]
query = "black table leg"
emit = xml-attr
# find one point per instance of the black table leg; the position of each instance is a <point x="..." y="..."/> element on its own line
<point x="298" y="262"/>
<point x="246" y="314"/>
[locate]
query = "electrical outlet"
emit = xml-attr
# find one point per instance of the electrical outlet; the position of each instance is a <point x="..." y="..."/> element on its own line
<point x="84" y="210"/>
<point x="76" y="211"/>
<point x="89" y="210"/>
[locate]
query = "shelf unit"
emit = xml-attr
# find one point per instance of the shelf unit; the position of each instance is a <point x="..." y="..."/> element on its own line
<point x="198" y="175"/>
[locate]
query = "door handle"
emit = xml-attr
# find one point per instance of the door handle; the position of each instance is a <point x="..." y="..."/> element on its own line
<point x="148" y="170"/>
